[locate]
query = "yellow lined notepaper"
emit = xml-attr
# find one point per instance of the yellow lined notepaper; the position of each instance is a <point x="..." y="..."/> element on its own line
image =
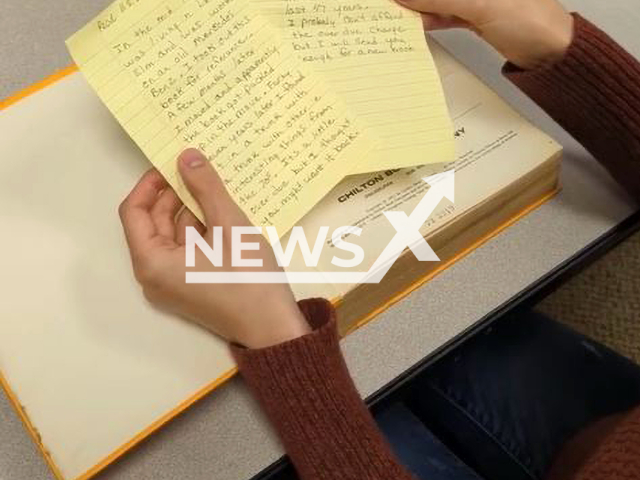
<point x="374" y="55"/>
<point x="215" y="75"/>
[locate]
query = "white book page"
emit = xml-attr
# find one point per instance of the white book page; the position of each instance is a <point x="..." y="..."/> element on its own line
<point x="92" y="363"/>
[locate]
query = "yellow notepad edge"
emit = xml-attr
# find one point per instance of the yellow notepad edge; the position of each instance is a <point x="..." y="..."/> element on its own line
<point x="153" y="427"/>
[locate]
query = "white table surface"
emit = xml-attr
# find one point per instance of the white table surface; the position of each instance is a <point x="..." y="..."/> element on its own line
<point x="225" y="437"/>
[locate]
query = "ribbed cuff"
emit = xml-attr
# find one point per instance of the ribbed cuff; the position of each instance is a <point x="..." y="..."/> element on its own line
<point x="305" y="389"/>
<point x="320" y="315"/>
<point x="594" y="94"/>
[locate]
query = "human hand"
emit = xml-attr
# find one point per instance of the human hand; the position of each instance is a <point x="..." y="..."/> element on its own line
<point x="529" y="33"/>
<point x="154" y="221"/>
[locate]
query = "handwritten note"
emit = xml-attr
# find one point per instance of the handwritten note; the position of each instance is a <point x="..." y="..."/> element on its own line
<point x="374" y="55"/>
<point x="216" y="75"/>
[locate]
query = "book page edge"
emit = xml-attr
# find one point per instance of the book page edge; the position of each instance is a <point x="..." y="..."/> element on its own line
<point x="457" y="257"/>
<point x="31" y="429"/>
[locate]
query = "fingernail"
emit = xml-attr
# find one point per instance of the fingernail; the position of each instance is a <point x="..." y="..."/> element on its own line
<point x="193" y="158"/>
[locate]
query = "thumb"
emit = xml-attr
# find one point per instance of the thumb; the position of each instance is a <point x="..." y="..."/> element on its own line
<point x="465" y="9"/>
<point x="204" y="184"/>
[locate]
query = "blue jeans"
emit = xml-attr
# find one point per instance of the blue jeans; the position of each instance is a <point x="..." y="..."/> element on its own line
<point x="502" y="405"/>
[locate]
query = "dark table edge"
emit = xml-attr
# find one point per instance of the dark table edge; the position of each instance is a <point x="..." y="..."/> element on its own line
<point x="526" y="298"/>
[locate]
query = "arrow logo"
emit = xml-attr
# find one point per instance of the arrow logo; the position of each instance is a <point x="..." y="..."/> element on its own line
<point x="408" y="228"/>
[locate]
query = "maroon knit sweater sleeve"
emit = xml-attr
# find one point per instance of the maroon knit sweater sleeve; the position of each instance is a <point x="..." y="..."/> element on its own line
<point x="308" y="395"/>
<point x="594" y="94"/>
<point x="618" y="455"/>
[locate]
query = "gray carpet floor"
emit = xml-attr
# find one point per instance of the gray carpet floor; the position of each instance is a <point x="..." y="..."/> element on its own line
<point x="603" y="301"/>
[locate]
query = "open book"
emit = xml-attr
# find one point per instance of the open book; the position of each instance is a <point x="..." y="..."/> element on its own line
<point x="90" y="366"/>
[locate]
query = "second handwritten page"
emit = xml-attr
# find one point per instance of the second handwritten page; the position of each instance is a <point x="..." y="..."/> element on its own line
<point x="374" y="55"/>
